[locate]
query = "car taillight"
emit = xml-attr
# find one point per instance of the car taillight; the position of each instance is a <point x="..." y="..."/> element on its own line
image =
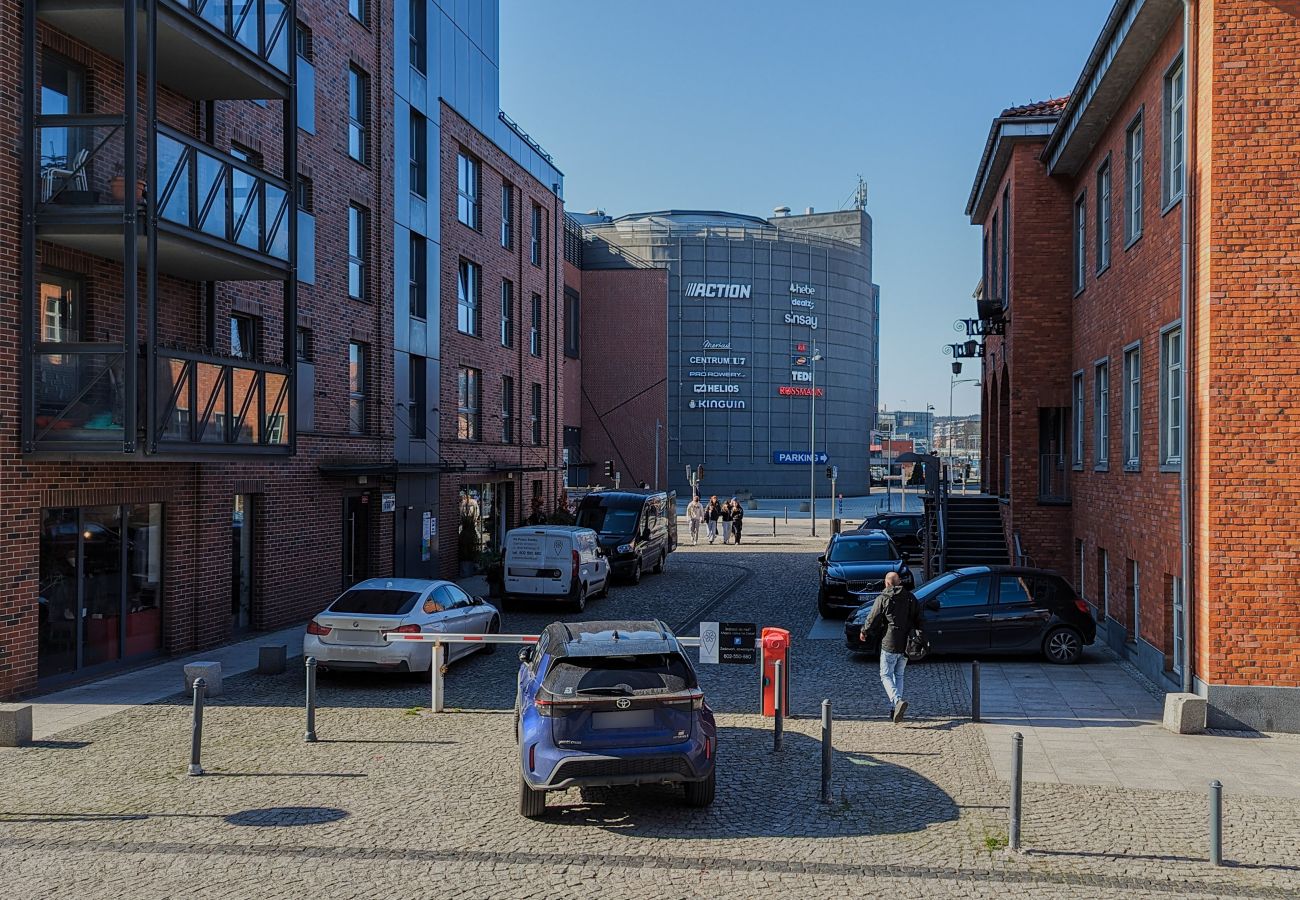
<point x="576" y="561"/>
<point x="406" y="629"/>
<point x="1083" y="606"/>
<point x="314" y="627"/>
<point x="544" y="707"/>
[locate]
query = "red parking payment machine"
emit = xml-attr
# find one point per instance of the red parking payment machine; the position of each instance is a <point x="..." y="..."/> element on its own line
<point x="775" y="646"/>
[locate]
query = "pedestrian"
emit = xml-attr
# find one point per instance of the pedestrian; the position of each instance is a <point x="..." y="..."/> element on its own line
<point x="711" y="516"/>
<point x="695" y="515"/>
<point x="737" y="518"/>
<point x="538" y="516"/>
<point x="727" y="517"/>
<point x="894" y="614"/>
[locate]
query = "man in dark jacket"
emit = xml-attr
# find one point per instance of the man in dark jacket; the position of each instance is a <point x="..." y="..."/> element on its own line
<point x="737" y="518"/>
<point x="896" y="612"/>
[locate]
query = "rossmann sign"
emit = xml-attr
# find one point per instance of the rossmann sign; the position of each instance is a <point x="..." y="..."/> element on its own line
<point x="717" y="290"/>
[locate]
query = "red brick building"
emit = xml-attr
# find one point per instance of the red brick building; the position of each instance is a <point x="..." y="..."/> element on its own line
<point x="1139" y="246"/>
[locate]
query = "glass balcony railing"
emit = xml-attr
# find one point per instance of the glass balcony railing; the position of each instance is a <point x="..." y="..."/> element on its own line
<point x="218" y="195"/>
<point x="81" y="160"/>
<point x="79" y="394"/>
<point x="261" y="26"/>
<point x="214" y="401"/>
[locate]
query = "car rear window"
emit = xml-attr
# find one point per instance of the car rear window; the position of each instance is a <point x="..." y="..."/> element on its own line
<point x="656" y="673"/>
<point x="375" y="602"/>
<point x="863" y="551"/>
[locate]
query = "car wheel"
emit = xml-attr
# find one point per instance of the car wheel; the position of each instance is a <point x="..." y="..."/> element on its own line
<point x="604" y="588"/>
<point x="659" y="566"/>
<point x="1063" y="646"/>
<point x="579" y="601"/>
<point x="823" y="607"/>
<point x="699" y="794"/>
<point x="494" y="627"/>
<point x="636" y="571"/>
<point x="532" y="804"/>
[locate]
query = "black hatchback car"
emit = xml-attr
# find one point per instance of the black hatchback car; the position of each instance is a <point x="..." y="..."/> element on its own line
<point x="853" y="569"/>
<point x="904" y="528"/>
<point x="996" y="610"/>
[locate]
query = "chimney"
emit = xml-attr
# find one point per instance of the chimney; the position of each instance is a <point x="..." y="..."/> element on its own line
<point x="808" y="211"/>
<point x="781" y="211"/>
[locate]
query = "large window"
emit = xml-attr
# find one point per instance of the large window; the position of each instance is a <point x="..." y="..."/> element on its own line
<point x="507" y="313"/>
<point x="419" y="36"/>
<point x="1133" y="408"/>
<point x="419" y="154"/>
<point x="1101" y="413"/>
<point x="507" y="215"/>
<point x="1176" y="600"/>
<point x="1078" y="420"/>
<point x="1133" y="174"/>
<point x="1171" y="397"/>
<point x="995" y="284"/>
<point x="536" y="415"/>
<point x="358" y="252"/>
<point x="535" y="328"/>
<point x="1175" y="134"/>
<point x="1005" y="264"/>
<point x="63" y="151"/>
<point x="467" y="186"/>
<point x="358" y="114"/>
<point x="1103" y="217"/>
<point x="468" y="415"/>
<point x="359" y="10"/>
<point x="572" y="323"/>
<point x="507" y="409"/>
<point x="358" y="384"/>
<point x="419" y="277"/>
<point x="468" y="294"/>
<point x="535" y="246"/>
<point x="1080" y="243"/>
<point x="416" y="385"/>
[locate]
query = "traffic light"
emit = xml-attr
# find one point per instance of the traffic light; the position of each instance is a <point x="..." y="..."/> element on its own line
<point x="830" y="471"/>
<point x="609" y="468"/>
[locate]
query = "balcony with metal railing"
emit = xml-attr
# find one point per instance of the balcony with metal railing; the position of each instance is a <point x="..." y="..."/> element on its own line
<point x="205" y="49"/>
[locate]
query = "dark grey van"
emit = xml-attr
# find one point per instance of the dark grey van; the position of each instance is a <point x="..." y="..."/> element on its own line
<point x="636" y="529"/>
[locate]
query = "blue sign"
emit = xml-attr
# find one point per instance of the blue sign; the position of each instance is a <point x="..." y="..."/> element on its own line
<point x="795" y="457"/>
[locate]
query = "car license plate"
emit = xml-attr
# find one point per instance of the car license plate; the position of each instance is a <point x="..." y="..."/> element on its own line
<point x="623" y="718"/>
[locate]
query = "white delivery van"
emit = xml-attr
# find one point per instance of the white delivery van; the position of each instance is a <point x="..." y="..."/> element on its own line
<point x="556" y="562"/>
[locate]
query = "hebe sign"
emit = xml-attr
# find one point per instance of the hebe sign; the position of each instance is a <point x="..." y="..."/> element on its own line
<point x="714" y="289"/>
<point x="796" y="457"/>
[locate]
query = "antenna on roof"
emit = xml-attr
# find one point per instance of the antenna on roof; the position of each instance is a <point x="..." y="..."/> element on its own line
<point x="860" y="197"/>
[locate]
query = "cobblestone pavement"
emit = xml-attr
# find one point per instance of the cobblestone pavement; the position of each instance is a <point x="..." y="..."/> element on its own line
<point x="396" y="802"/>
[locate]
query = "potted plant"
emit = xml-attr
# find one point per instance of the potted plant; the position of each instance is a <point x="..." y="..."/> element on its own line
<point x="492" y="562"/>
<point x="117" y="186"/>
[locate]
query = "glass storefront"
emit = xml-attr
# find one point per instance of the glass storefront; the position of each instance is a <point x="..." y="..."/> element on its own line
<point x="100" y="586"/>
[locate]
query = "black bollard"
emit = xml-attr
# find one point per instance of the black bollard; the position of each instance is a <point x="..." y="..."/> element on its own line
<point x="1216" y="823"/>
<point x="975" y="690"/>
<point x="196" y="729"/>
<point x="778" y="683"/>
<point x="1017" y="774"/>
<point x="826" y="751"/>
<point x="311" y="700"/>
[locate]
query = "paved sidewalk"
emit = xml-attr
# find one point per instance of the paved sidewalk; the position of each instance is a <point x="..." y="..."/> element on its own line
<point x="1095" y="724"/>
<point x="59" y="711"/>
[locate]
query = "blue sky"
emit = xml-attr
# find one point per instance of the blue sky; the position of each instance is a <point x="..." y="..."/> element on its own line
<point x="744" y="106"/>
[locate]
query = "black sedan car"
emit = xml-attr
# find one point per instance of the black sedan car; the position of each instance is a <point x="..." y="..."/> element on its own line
<point x="853" y="569"/>
<point x="996" y="610"/>
<point x="904" y="528"/>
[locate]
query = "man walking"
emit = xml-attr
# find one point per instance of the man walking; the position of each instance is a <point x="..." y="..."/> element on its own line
<point x="896" y="613"/>
<point x="695" y="515"/>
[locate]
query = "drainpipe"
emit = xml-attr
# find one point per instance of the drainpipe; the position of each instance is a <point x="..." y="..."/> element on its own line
<point x="1184" y="300"/>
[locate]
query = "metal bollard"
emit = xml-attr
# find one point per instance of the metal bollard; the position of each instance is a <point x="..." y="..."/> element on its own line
<point x="196" y="731"/>
<point x="311" y="700"/>
<point x="975" y="690"/>
<point x="826" y="751"/>
<point x="778" y="684"/>
<point x="774" y="526"/>
<point x="1017" y="774"/>
<point x="1216" y="823"/>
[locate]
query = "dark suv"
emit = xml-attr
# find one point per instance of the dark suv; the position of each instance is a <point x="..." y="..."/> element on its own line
<point x="904" y="528"/>
<point x="853" y="570"/>
<point x="609" y="703"/>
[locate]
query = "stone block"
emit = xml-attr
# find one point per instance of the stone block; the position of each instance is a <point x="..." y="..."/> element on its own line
<point x="270" y="659"/>
<point x="15" y="724"/>
<point x="1185" y="713"/>
<point x="210" y="672"/>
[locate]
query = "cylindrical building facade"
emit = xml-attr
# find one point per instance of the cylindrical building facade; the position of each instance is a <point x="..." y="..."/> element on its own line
<point x="751" y="302"/>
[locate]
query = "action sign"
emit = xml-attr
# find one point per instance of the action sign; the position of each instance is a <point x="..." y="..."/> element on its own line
<point x="728" y="642"/>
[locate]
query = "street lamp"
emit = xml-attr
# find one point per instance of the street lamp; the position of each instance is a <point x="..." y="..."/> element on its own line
<point x="812" y="441"/>
<point x="952" y="383"/>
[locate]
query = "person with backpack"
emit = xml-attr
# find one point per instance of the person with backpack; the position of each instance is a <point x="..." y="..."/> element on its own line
<point x="894" y="616"/>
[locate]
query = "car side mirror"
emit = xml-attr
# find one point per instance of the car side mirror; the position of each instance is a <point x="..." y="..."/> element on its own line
<point x="904" y="556"/>
<point x="477" y="601"/>
<point x="822" y="559"/>
<point x="526" y="654"/>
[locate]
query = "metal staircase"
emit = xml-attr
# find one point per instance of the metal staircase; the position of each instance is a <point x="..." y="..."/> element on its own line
<point x="973" y="533"/>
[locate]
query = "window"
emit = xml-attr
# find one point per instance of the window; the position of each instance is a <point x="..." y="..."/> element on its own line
<point x="1006" y="247"/>
<point x="572" y="323"/>
<point x="1080" y="243"/>
<point x="358" y="114"/>
<point x="416" y="390"/>
<point x="1015" y="590"/>
<point x="305" y="194"/>
<point x="1101" y="413"/>
<point x="359" y="10"/>
<point x="302" y="42"/>
<point x="1132" y="408"/>
<point x="507" y="215"/>
<point x="1133" y="173"/>
<point x="535" y="248"/>
<point x="467" y="179"/>
<point x="1103" y="217"/>
<point x="1103" y="580"/>
<point x="1175" y="134"/>
<point x="507" y="314"/>
<point x="966" y="592"/>
<point x="419" y="36"/>
<point x="1134" y="602"/>
<point x="996" y="283"/>
<point x="243" y="337"/>
<point x="419" y="276"/>
<point x="467" y="298"/>
<point x="62" y="310"/>
<point x="1176" y="607"/>
<point x="63" y="151"/>
<point x="303" y="344"/>
<point x="1171" y="397"/>
<point x="535" y="330"/>
<point x="419" y="154"/>
<point x="536" y="417"/>
<point x="358" y="251"/>
<point x="1079" y="564"/>
<point x="507" y="409"/>
<point x="304" y="45"/>
<point x="1078" y="420"/>
<point x="357" y="386"/>
<point x="467" y="405"/>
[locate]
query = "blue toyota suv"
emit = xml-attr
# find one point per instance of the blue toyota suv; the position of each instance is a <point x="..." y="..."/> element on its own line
<point x="611" y="703"/>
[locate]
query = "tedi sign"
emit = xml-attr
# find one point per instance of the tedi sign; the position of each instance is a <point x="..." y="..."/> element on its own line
<point x="710" y="289"/>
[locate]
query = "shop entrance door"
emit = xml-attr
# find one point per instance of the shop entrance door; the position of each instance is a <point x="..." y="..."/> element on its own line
<point x="241" y="557"/>
<point x="356" y="540"/>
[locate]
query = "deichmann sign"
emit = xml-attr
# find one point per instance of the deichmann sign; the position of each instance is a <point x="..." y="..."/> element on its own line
<point x="796" y="457"/>
<point x="786" y="390"/>
<point x="709" y="289"/>
<point x="716" y="404"/>
<point x="800" y="319"/>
